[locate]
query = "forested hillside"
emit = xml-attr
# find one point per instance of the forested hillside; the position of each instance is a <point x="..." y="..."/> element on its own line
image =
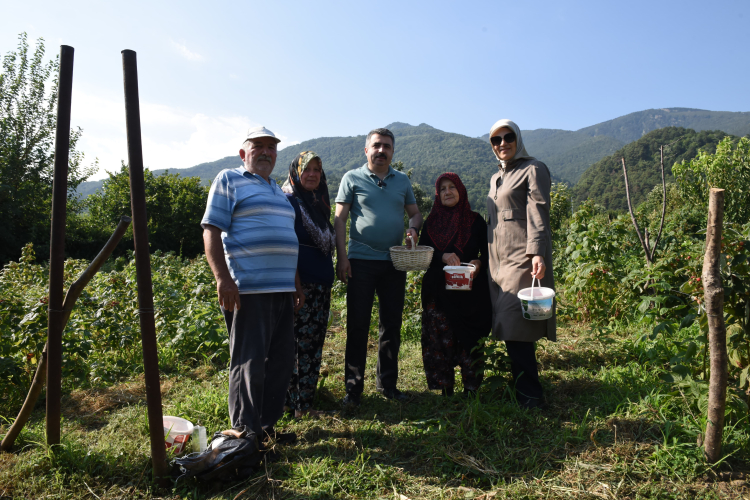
<point x="604" y="184"/>
<point x="633" y="126"/>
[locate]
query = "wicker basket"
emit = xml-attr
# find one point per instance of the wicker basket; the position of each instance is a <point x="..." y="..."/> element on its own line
<point x="417" y="258"/>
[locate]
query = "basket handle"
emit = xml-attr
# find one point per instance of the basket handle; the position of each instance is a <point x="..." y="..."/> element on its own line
<point x="413" y="244"/>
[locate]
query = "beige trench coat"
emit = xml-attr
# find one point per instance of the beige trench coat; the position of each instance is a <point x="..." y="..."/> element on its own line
<point x="518" y="228"/>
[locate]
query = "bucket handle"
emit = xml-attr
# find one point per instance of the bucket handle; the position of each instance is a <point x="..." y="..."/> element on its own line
<point x="532" y="285"/>
<point x="468" y="264"/>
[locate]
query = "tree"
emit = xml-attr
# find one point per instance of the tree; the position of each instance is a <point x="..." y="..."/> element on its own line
<point x="423" y="198"/>
<point x="27" y="129"/>
<point x="728" y="168"/>
<point x="174" y="205"/>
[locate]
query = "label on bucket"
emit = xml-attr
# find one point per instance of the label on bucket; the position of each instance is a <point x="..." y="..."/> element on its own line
<point x="537" y="309"/>
<point x="458" y="277"/>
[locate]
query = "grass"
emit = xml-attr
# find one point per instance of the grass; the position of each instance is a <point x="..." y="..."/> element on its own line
<point x="611" y="430"/>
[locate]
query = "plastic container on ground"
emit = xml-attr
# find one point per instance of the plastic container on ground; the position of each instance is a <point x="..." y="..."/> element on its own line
<point x="537" y="303"/>
<point x="177" y="431"/>
<point x="459" y="277"/>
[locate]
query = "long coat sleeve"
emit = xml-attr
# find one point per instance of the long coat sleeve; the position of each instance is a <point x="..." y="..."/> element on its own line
<point x="518" y="207"/>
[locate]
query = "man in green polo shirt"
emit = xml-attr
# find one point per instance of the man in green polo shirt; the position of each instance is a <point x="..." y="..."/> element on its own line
<point x="376" y="196"/>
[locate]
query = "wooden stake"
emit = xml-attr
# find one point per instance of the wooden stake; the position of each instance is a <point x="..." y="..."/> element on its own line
<point x="713" y="294"/>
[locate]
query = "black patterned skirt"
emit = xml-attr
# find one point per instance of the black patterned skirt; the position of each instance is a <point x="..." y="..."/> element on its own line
<point x="310" y="325"/>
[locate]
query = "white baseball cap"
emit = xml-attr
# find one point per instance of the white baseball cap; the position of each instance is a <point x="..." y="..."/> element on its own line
<point x="257" y="132"/>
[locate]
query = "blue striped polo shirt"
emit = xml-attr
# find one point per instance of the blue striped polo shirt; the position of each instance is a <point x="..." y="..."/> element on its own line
<point x="257" y="224"/>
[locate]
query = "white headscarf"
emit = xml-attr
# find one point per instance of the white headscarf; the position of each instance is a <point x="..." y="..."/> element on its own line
<point x="521" y="153"/>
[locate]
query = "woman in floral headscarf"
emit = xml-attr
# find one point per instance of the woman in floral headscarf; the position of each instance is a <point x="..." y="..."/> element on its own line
<point x="307" y="191"/>
<point x="453" y="321"/>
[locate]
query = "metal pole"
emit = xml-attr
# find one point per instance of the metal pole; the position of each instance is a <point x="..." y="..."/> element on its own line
<point x="143" y="264"/>
<point x="55" y="322"/>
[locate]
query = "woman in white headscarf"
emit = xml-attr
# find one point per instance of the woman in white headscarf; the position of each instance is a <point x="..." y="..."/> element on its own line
<point x="520" y="248"/>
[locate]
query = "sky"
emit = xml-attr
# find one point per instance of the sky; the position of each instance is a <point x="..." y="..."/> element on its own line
<point x="210" y="70"/>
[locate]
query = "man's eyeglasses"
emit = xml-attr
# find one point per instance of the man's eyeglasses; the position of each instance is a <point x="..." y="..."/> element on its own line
<point x="509" y="138"/>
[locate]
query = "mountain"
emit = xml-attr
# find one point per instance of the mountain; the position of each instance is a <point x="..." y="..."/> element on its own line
<point x="206" y="171"/>
<point x="632" y="127"/>
<point x="430" y="152"/>
<point x="604" y="182"/>
<point x="568" y="154"/>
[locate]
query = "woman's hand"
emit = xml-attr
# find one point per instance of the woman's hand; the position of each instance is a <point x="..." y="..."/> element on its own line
<point x="478" y="264"/>
<point x="451" y="259"/>
<point x="538" y="267"/>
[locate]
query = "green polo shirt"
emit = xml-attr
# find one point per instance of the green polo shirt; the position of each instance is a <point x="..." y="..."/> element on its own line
<point x="377" y="212"/>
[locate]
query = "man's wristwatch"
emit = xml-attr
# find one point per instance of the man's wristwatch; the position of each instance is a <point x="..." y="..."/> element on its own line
<point x="415" y="229"/>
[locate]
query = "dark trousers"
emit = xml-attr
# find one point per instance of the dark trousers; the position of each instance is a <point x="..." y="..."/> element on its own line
<point x="370" y="277"/>
<point x="524" y="369"/>
<point x="261" y="343"/>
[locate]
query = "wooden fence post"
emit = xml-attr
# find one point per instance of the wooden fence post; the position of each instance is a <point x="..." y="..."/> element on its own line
<point x="713" y="294"/>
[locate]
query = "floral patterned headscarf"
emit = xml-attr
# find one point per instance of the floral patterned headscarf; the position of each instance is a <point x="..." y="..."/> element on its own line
<point x="315" y="205"/>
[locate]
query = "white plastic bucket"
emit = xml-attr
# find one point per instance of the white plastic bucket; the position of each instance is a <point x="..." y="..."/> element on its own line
<point x="459" y="277"/>
<point x="177" y="431"/>
<point x="537" y="303"/>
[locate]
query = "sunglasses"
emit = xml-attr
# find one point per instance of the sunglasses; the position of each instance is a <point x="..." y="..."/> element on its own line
<point x="510" y="138"/>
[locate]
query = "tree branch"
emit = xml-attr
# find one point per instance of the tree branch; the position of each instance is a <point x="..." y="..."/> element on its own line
<point x="632" y="214"/>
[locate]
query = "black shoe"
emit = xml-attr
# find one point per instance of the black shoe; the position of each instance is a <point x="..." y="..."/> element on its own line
<point x="351" y="400"/>
<point x="530" y="403"/>
<point x="279" y="437"/>
<point x="394" y="394"/>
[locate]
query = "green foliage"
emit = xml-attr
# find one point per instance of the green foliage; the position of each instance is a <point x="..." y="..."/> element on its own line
<point x="728" y="168"/>
<point x="27" y="129"/>
<point x="101" y="342"/>
<point x="560" y="206"/>
<point x="424" y="200"/>
<point x="174" y="205"/>
<point x="604" y="183"/>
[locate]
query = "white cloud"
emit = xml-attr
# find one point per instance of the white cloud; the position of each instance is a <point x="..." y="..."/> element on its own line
<point x="185" y="52"/>
<point x="171" y="137"/>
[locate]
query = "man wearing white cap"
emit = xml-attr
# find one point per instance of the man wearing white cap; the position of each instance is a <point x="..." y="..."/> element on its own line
<point x="251" y="246"/>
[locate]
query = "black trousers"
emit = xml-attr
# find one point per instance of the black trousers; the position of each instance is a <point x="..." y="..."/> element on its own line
<point x="261" y="343"/>
<point x="370" y="277"/>
<point x="524" y="369"/>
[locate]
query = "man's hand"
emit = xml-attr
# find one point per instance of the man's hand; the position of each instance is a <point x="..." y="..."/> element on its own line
<point x="451" y="259"/>
<point x="478" y="265"/>
<point x="229" y="294"/>
<point x="538" y="267"/>
<point x="414" y="237"/>
<point x="226" y="288"/>
<point x="343" y="268"/>
<point x="415" y="221"/>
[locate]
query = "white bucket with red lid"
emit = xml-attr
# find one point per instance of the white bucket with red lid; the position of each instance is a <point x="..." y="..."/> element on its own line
<point x="537" y="303"/>
<point x="177" y="431"/>
<point x="459" y="277"/>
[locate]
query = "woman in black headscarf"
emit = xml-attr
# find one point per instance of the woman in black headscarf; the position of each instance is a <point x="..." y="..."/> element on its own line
<point x="453" y="321"/>
<point x="307" y="191"/>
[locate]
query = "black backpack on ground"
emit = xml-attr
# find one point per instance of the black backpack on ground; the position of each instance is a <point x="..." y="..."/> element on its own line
<point x="230" y="456"/>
